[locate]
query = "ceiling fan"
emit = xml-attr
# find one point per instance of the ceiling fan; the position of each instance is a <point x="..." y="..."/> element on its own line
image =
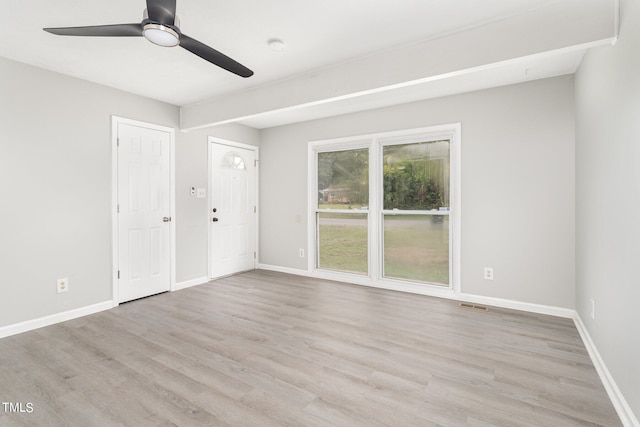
<point x="160" y="26"/>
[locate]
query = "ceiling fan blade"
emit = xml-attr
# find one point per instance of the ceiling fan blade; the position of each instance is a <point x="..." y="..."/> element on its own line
<point x="117" y="30"/>
<point x="217" y="58"/>
<point x="162" y="11"/>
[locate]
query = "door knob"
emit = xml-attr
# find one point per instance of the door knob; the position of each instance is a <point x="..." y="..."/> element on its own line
<point x="214" y="219"/>
<point x="166" y="219"/>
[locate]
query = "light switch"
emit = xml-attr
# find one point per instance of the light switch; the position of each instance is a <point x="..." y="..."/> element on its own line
<point x="202" y="193"/>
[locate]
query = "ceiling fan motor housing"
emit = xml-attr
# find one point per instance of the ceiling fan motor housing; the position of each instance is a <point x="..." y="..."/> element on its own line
<point x="162" y="35"/>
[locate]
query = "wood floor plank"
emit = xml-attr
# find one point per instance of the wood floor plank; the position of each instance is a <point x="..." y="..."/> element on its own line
<point x="270" y="349"/>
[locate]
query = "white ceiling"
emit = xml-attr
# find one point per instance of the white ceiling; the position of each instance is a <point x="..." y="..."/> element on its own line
<point x="519" y="71"/>
<point x="317" y="34"/>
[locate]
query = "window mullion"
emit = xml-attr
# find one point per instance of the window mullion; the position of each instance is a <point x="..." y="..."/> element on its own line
<point x="375" y="205"/>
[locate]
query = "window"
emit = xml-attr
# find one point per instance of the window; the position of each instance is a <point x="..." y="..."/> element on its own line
<point x="415" y="214"/>
<point x="384" y="206"/>
<point x="233" y="160"/>
<point x="341" y="211"/>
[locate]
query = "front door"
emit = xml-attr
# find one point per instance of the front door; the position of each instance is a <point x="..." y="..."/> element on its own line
<point x="232" y="211"/>
<point x="144" y="211"/>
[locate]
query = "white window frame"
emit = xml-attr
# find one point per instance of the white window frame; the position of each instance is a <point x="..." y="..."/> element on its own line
<point x="375" y="144"/>
<point x="357" y="144"/>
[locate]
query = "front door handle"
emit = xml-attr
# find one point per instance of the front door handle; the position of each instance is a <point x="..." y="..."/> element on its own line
<point x="214" y="219"/>
<point x="166" y="219"/>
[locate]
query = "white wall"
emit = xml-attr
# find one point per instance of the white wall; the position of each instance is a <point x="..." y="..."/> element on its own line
<point x="192" y="217"/>
<point x="608" y="202"/>
<point x="55" y="188"/>
<point x="517" y="185"/>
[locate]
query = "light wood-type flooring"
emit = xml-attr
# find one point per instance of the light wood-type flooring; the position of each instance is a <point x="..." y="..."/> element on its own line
<point x="271" y="349"/>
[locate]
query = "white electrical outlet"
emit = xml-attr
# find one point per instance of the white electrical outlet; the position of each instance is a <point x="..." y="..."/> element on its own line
<point x="488" y="273"/>
<point x="62" y="285"/>
<point x="301" y="253"/>
<point x="202" y="193"/>
<point x="593" y="310"/>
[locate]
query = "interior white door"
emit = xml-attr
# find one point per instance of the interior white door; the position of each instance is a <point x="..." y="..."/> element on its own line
<point x="144" y="209"/>
<point x="232" y="226"/>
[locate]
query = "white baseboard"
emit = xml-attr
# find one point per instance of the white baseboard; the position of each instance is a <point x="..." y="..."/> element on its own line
<point x="277" y="268"/>
<point x="429" y="291"/>
<point x="619" y="402"/>
<point x="519" y="305"/>
<point x="41" y="322"/>
<point x="190" y="283"/>
<point x="355" y="279"/>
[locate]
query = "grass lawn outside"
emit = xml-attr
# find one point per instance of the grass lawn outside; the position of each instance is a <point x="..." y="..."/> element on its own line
<point x="344" y="242"/>
<point x="416" y="247"/>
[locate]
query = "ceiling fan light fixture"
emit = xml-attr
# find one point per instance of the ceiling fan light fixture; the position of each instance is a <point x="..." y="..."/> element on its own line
<point x="161" y="35"/>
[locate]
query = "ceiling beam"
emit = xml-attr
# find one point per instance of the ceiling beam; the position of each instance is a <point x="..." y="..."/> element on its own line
<point x="555" y="26"/>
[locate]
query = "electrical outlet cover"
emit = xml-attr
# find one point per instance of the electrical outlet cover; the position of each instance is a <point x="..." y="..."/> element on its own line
<point x="62" y="285"/>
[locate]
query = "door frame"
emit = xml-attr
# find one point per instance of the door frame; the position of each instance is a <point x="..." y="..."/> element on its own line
<point x="256" y="150"/>
<point x="115" y="121"/>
